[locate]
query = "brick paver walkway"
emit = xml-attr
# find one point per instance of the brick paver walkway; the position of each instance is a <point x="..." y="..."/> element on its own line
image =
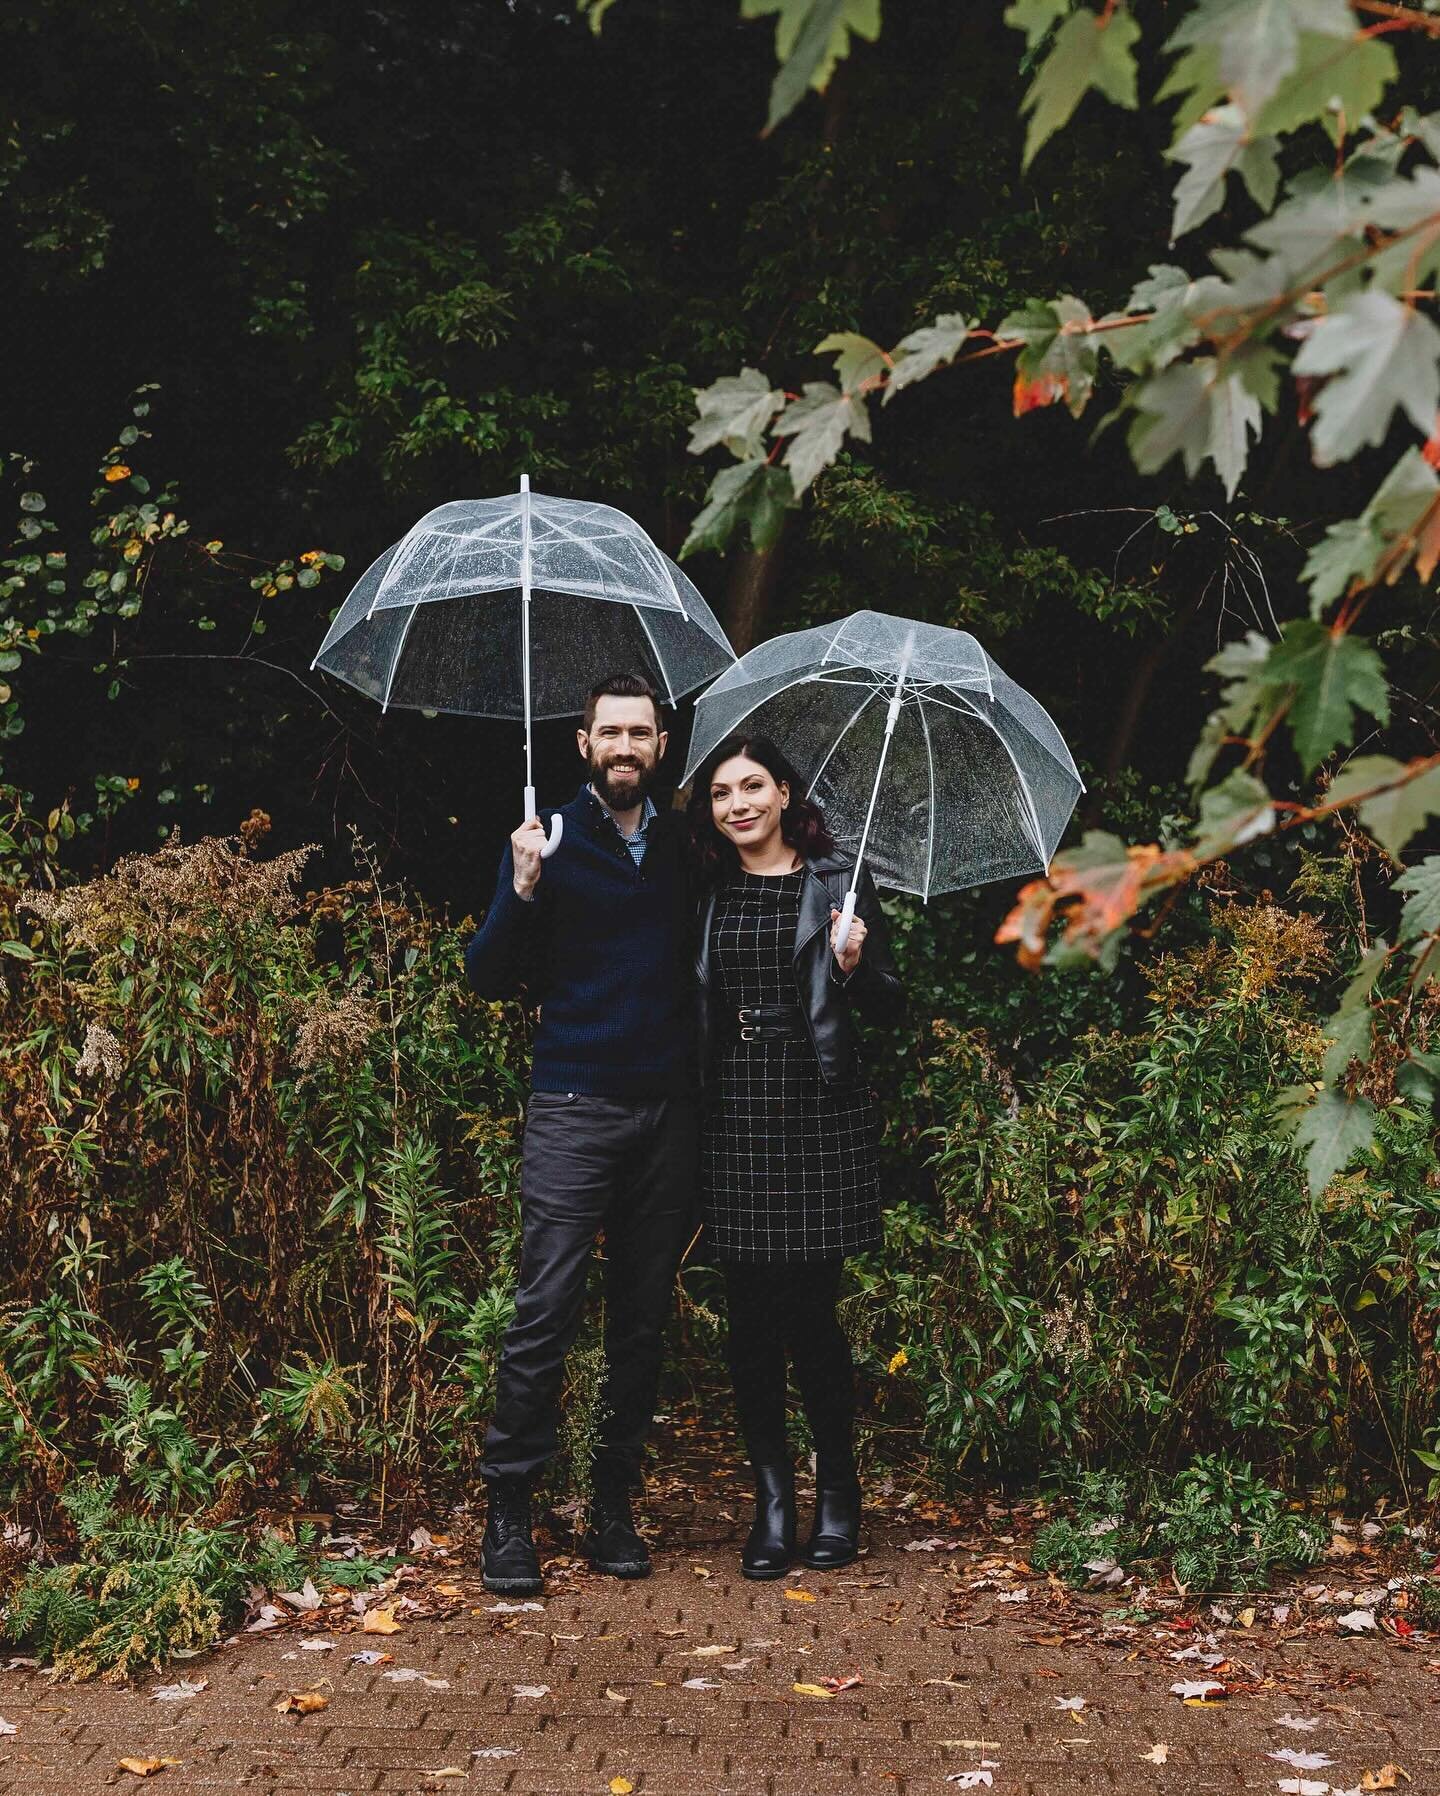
<point x="592" y="1692"/>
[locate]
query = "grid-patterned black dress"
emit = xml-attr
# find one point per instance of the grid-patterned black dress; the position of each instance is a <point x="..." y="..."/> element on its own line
<point x="790" y="1170"/>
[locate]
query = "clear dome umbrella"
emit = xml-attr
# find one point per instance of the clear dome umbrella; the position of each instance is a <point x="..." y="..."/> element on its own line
<point x="514" y="607"/>
<point x="930" y="762"/>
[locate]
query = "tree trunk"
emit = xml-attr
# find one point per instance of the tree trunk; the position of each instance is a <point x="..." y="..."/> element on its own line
<point x="748" y="594"/>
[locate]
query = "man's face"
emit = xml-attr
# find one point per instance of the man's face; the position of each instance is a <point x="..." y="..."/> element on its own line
<point x="623" y="747"/>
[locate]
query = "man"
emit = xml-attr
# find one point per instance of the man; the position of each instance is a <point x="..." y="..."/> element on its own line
<point x="599" y="936"/>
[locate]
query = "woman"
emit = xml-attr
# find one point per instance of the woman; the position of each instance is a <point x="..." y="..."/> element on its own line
<point x="790" y="1180"/>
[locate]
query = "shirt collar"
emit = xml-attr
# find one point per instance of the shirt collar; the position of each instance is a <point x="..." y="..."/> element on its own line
<point x="647" y="812"/>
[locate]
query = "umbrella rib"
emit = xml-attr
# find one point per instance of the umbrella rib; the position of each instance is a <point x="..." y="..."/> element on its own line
<point x="930" y="834"/>
<point x="395" y="663"/>
<point x="829" y="753"/>
<point x="639" y="611"/>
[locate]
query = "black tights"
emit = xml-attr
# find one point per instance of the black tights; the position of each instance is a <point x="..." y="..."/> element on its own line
<point x="790" y="1306"/>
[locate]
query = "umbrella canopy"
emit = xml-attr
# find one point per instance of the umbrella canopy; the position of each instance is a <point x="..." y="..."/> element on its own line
<point x="923" y="753"/>
<point x="434" y="623"/>
<point x="514" y="607"/>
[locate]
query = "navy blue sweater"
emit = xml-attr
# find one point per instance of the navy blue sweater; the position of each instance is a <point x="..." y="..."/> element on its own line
<point x="603" y="948"/>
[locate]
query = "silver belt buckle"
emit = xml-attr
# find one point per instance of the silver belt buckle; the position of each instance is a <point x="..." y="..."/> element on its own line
<point x="747" y="1033"/>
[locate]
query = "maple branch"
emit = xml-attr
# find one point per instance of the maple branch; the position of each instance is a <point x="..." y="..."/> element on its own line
<point x="1404" y="18"/>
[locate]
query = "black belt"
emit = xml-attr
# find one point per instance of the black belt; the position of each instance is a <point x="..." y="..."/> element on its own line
<point x="770" y="1022"/>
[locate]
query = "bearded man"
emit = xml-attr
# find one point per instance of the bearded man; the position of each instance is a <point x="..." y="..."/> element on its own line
<point x="599" y="938"/>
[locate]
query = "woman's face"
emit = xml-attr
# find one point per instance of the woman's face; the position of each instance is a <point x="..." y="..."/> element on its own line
<point x="746" y="803"/>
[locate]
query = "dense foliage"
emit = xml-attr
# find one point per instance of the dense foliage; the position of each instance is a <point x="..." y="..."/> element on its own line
<point x="258" y="1186"/>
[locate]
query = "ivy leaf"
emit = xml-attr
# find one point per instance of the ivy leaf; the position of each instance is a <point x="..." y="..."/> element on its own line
<point x="1334" y="81"/>
<point x="818" y="422"/>
<point x="1420" y="888"/>
<point x="1333" y="1130"/>
<point x="1401" y="523"/>
<point x="811" y="36"/>
<point x="1391" y="817"/>
<point x="924" y="350"/>
<point x="1381" y="354"/>
<point x="1054" y="363"/>
<point x="1035" y="17"/>
<point x="1195" y="410"/>
<point x="735" y="411"/>
<point x="1238" y="796"/>
<point x="754" y="492"/>
<point x="1257" y="43"/>
<point x="857" y="359"/>
<point x="1349" y="1030"/>
<point x="1218" y="143"/>
<point x="1088" y="52"/>
<point x="1329" y="677"/>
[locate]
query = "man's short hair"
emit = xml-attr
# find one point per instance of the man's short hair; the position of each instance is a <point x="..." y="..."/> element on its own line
<point x="621" y="685"/>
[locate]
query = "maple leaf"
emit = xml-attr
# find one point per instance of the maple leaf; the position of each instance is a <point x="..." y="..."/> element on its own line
<point x="1381" y="354"/>
<point x="1088" y="51"/>
<point x="138" y="1767"/>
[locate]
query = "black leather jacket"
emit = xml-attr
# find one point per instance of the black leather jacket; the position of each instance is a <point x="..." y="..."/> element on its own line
<point x="826" y="995"/>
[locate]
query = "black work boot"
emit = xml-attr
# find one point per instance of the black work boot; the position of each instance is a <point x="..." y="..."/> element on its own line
<point x="770" y="1546"/>
<point x="835" y="1534"/>
<point x="508" y="1561"/>
<point x="611" y="1543"/>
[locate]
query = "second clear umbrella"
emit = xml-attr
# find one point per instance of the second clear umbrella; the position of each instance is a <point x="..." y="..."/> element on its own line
<point x="931" y="764"/>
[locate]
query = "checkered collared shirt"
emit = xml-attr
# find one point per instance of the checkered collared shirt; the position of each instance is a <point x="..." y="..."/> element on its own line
<point x="636" y="841"/>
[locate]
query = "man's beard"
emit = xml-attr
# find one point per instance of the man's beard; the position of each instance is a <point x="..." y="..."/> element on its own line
<point x="631" y="789"/>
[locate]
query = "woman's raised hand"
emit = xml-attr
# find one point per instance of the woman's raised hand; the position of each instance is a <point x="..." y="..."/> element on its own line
<point x="849" y="959"/>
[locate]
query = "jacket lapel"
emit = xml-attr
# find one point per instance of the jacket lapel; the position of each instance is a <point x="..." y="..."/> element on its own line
<point x="814" y="910"/>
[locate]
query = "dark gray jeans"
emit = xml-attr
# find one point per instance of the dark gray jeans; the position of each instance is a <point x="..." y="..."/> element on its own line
<point x="629" y="1166"/>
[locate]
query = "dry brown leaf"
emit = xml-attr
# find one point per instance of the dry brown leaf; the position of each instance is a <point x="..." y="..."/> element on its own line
<point x="448" y="1771"/>
<point x="1159" y="1754"/>
<point x="1386" y="1778"/>
<point x="146" y="1767"/>
<point x="811" y="1690"/>
<point x="801" y="1596"/>
<point x="447" y="1590"/>
<point x="616" y="1695"/>
<point x="974" y="1745"/>
<point x="621" y="1786"/>
<point x="379" y="1621"/>
<point x="305" y="1702"/>
<point x="1246" y="1618"/>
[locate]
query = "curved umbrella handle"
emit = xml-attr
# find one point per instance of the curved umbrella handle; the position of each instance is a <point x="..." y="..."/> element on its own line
<point x="557" y="825"/>
<point x="847" y="917"/>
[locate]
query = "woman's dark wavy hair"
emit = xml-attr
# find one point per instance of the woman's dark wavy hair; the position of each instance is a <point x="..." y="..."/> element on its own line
<point x="802" y="822"/>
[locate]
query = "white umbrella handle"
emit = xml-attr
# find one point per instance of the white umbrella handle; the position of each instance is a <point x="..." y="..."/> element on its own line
<point x="847" y="917"/>
<point x="557" y="825"/>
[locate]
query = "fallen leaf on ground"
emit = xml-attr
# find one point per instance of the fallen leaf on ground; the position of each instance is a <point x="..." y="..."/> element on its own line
<point x="1159" y="1754"/>
<point x="701" y="1684"/>
<point x="621" y="1786"/>
<point x="449" y="1771"/>
<point x="1301" y="1761"/>
<point x="379" y="1621"/>
<point x="812" y="1690"/>
<point x="1302" y="1724"/>
<point x="531" y="1690"/>
<point x="836" y="1685"/>
<point x="616" y="1695"/>
<point x="1386" y="1778"/>
<point x="145" y="1767"/>
<point x="1198" y="1690"/>
<point x="178" y="1692"/>
<point x="446" y="1590"/>
<point x="304" y="1702"/>
<point x="1069" y="1702"/>
<point x="1357" y="1620"/>
<point x="317" y="1646"/>
<point x="801" y="1596"/>
<point x="7" y="1727"/>
<point x="304" y="1599"/>
<point x="515" y="1609"/>
<point x="371" y="1656"/>
<point x="1302" y="1786"/>
<point x="973" y="1780"/>
<point x="973" y="1745"/>
<point x="706" y="1652"/>
<point x="403" y="1674"/>
<point x="494" y="1752"/>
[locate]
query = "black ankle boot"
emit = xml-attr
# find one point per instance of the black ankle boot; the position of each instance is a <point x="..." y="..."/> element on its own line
<point x="611" y="1542"/>
<point x="771" y="1543"/>
<point x="835" y="1536"/>
<point x="509" y="1564"/>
